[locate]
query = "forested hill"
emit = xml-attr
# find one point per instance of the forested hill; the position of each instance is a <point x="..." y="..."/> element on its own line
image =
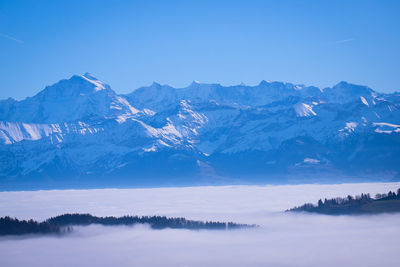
<point x="64" y="223"/>
<point x="364" y="204"/>
<point x="155" y="222"/>
<point x="13" y="226"/>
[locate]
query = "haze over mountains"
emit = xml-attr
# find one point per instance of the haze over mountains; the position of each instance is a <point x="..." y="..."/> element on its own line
<point x="81" y="132"/>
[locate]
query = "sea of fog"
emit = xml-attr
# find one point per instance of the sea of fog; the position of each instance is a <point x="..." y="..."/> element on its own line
<point x="283" y="239"/>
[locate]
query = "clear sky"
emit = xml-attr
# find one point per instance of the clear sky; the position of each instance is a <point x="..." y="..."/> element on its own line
<point x="129" y="44"/>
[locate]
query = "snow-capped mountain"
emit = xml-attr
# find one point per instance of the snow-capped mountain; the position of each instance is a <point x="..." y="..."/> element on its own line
<point x="80" y="129"/>
<point x="77" y="99"/>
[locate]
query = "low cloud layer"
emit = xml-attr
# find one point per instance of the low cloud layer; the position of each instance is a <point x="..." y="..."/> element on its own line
<point x="282" y="240"/>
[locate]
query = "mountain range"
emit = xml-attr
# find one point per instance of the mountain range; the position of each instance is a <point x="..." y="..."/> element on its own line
<point x="81" y="133"/>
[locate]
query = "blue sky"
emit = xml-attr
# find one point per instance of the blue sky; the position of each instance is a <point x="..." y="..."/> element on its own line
<point x="129" y="44"/>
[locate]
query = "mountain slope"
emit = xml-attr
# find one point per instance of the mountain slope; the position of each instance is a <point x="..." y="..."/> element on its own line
<point x="81" y="129"/>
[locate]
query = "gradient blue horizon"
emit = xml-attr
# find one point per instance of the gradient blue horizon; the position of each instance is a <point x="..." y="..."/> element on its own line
<point x="130" y="44"/>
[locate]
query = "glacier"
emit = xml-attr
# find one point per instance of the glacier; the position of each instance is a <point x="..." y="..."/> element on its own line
<point x="80" y="132"/>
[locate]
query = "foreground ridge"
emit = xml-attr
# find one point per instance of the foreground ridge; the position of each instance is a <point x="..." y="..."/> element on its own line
<point x="364" y="204"/>
<point x="63" y="223"/>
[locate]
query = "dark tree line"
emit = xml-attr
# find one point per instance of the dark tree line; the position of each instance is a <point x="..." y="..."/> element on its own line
<point x="156" y="222"/>
<point x="351" y="205"/>
<point x="388" y="196"/>
<point x="63" y="223"/>
<point x="13" y="226"/>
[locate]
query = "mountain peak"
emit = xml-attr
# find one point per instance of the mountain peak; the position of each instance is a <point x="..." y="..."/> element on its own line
<point x="341" y="84"/>
<point x="263" y="83"/>
<point x="99" y="85"/>
<point x="357" y="89"/>
<point x="74" y="86"/>
<point x="90" y="76"/>
<point x="194" y="83"/>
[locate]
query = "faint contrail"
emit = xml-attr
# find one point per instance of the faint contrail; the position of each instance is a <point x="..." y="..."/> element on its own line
<point x="344" y="41"/>
<point x="9" y="37"/>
